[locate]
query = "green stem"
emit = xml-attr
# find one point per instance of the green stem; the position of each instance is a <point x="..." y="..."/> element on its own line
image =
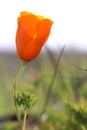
<point x="52" y="82"/>
<point x="24" y="64"/>
<point x="24" y="121"/>
<point x="49" y="92"/>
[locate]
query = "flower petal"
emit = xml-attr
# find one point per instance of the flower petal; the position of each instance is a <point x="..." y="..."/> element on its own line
<point x="25" y="13"/>
<point x="31" y="35"/>
<point x="29" y="22"/>
<point x="30" y="52"/>
<point x="33" y="49"/>
<point x="22" y="40"/>
<point x="44" y="27"/>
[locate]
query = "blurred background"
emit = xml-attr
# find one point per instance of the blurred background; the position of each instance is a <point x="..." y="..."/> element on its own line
<point x="70" y="82"/>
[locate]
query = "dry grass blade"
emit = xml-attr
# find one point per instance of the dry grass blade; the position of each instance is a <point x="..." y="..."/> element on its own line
<point x="53" y="79"/>
<point x="78" y="67"/>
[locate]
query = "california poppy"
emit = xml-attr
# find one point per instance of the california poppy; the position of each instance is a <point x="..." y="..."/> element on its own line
<point x="32" y="33"/>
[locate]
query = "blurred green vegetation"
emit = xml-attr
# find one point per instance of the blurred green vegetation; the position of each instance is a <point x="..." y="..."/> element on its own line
<point x="70" y="85"/>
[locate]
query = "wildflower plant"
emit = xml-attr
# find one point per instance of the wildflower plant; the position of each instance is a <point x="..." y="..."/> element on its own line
<point x="79" y="113"/>
<point x="32" y="33"/>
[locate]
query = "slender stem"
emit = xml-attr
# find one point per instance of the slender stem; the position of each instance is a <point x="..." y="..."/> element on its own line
<point x="52" y="81"/>
<point x="24" y="121"/>
<point x="24" y="64"/>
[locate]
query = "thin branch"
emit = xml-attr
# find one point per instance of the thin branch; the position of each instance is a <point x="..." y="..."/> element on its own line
<point x="52" y="81"/>
<point x="85" y="69"/>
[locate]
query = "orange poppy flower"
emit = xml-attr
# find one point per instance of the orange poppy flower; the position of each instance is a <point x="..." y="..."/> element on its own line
<point x="31" y="35"/>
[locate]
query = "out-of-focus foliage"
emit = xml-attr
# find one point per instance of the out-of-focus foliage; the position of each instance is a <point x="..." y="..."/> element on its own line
<point x="66" y="108"/>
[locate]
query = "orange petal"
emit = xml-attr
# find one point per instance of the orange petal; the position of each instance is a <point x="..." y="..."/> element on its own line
<point x="29" y="22"/>
<point x="40" y="17"/>
<point x="30" y="52"/>
<point x="22" y="40"/>
<point x="31" y="35"/>
<point x="25" y="13"/>
<point x="44" y="27"/>
<point x="33" y="49"/>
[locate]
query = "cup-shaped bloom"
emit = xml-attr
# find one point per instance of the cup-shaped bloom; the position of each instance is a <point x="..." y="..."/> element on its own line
<point x="32" y="33"/>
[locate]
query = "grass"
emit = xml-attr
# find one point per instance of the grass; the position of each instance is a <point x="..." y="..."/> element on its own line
<point x="70" y="85"/>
